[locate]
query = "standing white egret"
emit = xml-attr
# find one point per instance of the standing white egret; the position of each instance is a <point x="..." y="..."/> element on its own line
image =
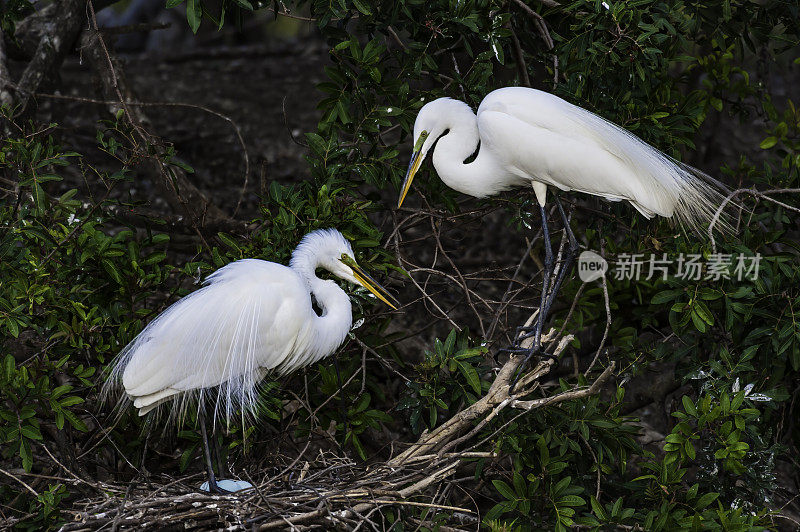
<point x="532" y="138"/>
<point x="252" y="317"/>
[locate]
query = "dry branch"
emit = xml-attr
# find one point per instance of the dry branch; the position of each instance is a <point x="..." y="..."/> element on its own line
<point x="51" y="49"/>
<point x="174" y="183"/>
<point x="343" y="493"/>
<point x="5" y="95"/>
<point x="29" y="31"/>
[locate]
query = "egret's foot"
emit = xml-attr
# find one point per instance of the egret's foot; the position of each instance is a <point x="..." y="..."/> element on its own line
<point x="211" y="486"/>
<point x="224" y="486"/>
<point x="529" y="353"/>
<point x="523" y="332"/>
<point x="510" y="350"/>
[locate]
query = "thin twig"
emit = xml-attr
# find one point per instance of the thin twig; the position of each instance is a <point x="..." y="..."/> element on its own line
<point x="753" y="192"/>
<point x="519" y="56"/>
<point x="24" y="484"/>
<point x="608" y="314"/>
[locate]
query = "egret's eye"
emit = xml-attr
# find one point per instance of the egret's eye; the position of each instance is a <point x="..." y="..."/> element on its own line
<point x="348" y="260"/>
<point x="420" y="141"/>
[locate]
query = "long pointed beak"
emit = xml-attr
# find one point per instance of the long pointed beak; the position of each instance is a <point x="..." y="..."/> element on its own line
<point x="413" y="166"/>
<point x="372" y="285"/>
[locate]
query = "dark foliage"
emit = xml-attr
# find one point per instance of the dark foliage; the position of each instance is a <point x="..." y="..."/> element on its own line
<point x="79" y="276"/>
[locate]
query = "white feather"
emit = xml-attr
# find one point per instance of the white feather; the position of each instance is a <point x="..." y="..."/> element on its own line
<point x="529" y="136"/>
<point x="252" y="317"/>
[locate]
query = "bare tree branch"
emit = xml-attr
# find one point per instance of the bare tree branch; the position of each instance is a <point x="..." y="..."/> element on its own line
<point x="175" y="184"/>
<point x="51" y="50"/>
<point x="5" y="95"/>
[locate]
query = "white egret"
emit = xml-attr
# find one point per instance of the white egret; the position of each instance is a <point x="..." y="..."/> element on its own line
<point x="253" y="317"/>
<point x="527" y="137"/>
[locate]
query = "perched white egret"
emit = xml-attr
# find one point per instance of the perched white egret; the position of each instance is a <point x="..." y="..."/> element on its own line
<point x="253" y="317"/>
<point x="527" y="137"/>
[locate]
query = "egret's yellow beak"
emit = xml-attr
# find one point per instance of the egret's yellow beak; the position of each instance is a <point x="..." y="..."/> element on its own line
<point x="365" y="280"/>
<point x="413" y="166"/>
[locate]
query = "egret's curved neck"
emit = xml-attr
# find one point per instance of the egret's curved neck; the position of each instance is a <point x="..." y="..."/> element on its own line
<point x="331" y="327"/>
<point x="479" y="178"/>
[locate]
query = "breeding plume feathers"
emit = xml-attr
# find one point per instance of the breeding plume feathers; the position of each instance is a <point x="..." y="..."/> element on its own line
<point x="693" y="195"/>
<point x="251" y="318"/>
<point x="533" y="138"/>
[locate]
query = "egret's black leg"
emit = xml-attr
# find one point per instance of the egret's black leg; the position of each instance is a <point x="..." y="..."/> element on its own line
<point x="212" y="479"/>
<point x="216" y="455"/>
<point x="549" y="266"/>
<point x="342" y="409"/>
<point x="142" y="463"/>
<point x="568" y="258"/>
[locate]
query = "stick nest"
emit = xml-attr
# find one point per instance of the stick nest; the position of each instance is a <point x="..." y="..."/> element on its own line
<point x="333" y="491"/>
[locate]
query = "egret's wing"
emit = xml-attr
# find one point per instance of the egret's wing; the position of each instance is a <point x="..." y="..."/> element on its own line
<point x="552" y="158"/>
<point x="248" y="319"/>
<point x="625" y="166"/>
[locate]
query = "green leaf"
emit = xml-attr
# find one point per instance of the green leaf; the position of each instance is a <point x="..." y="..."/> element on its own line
<point x="471" y="375"/>
<point x="112" y="270"/>
<point x="702" y="310"/>
<point x="663" y="297"/>
<point x="230" y="242"/>
<point x="70" y="401"/>
<point x="688" y="406"/>
<point x="504" y="490"/>
<point x="194" y="14"/>
<point x="598" y="509"/>
<point x="362" y="6"/>
<point x="31" y="432"/>
<point x="561" y="486"/>
<point x="698" y="322"/>
<point x="186" y="456"/>
<point x="768" y="142"/>
<point x="705" y="500"/>
<point x="689" y="448"/>
<point x="450" y="342"/>
<point x="571" y="500"/>
<point x="25" y="454"/>
<point x="74" y="421"/>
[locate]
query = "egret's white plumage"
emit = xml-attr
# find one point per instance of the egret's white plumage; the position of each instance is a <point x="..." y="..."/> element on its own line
<point x="529" y="137"/>
<point x="252" y="317"/>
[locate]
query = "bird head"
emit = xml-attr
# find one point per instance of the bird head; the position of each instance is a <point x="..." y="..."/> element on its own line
<point x="431" y="123"/>
<point x="352" y="272"/>
<point x="329" y="249"/>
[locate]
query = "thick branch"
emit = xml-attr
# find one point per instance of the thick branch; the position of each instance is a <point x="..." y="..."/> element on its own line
<point x="182" y="195"/>
<point x="546" y="3"/>
<point x="567" y="396"/>
<point x="51" y="49"/>
<point x="445" y="465"/>
<point x="495" y="399"/>
<point x="5" y="95"/>
<point x="519" y="56"/>
<point x="541" y="27"/>
<point x="29" y="31"/>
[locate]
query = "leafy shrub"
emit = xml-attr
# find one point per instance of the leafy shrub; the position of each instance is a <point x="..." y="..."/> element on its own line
<point x="77" y="284"/>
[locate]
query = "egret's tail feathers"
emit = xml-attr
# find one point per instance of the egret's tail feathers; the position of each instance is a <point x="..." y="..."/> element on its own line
<point x="237" y="395"/>
<point x="695" y="200"/>
<point x="703" y="203"/>
<point x="213" y="346"/>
